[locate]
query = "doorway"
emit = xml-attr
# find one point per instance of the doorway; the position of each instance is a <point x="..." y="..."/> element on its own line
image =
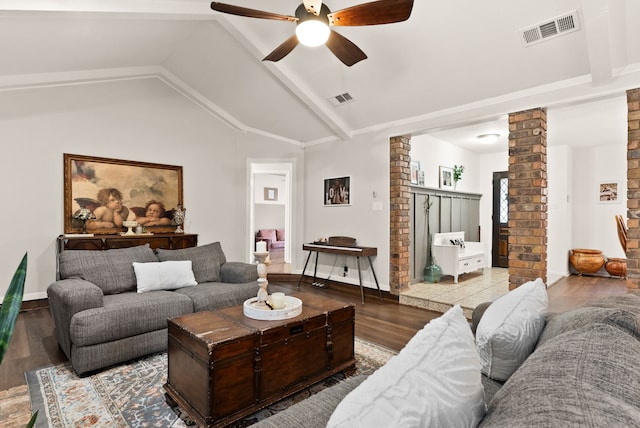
<point x="500" y="235"/>
<point x="270" y="202"/>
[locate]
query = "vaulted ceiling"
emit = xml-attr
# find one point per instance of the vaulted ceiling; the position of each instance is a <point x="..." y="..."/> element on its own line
<point x="453" y="63"/>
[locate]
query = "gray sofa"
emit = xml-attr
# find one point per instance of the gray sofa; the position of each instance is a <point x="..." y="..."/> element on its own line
<point x="583" y="373"/>
<point x="100" y="318"/>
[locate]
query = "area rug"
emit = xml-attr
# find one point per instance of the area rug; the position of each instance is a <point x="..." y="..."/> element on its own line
<point x="131" y="395"/>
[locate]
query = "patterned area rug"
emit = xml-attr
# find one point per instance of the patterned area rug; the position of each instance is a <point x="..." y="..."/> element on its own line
<point x="131" y="395"/>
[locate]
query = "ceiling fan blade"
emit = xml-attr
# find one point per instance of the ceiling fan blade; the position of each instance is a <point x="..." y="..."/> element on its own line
<point x="283" y="50"/>
<point x="250" y="13"/>
<point x="344" y="49"/>
<point x="373" y="13"/>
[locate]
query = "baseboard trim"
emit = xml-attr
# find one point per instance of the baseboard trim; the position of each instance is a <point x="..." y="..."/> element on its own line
<point x="29" y="305"/>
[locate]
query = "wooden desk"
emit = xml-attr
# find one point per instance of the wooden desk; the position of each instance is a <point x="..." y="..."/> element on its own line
<point x="353" y="251"/>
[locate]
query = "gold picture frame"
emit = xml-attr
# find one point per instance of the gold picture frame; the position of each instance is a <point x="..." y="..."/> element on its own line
<point x="88" y="179"/>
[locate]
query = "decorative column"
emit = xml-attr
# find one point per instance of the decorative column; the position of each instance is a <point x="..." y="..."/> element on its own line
<point x="400" y="173"/>
<point x="633" y="190"/>
<point x="527" y="196"/>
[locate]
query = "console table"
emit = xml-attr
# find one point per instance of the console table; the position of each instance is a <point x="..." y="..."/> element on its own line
<point x="353" y="251"/>
<point x="166" y="241"/>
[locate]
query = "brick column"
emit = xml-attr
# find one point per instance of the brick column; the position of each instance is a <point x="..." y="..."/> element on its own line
<point x="633" y="190"/>
<point x="399" y="211"/>
<point x="527" y="196"/>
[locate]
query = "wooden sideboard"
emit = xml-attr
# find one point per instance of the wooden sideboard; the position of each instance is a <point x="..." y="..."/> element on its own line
<point x="166" y="241"/>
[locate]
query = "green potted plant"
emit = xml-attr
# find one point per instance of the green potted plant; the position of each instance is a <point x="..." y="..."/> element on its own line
<point x="9" y="313"/>
<point x="457" y="174"/>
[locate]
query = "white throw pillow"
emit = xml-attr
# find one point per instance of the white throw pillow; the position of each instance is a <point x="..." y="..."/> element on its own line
<point x="167" y="275"/>
<point x="433" y="382"/>
<point x="509" y="329"/>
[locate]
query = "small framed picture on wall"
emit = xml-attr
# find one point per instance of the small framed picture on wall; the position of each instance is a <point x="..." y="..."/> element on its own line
<point x="446" y="178"/>
<point x="415" y="168"/>
<point x="608" y="192"/>
<point x="270" y="193"/>
<point x="337" y="191"/>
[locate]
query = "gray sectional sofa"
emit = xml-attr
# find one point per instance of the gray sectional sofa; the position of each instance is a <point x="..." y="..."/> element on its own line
<point x="583" y="372"/>
<point x="100" y="317"/>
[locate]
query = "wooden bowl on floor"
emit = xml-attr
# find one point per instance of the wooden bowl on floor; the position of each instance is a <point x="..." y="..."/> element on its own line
<point x="586" y="261"/>
<point x="616" y="267"/>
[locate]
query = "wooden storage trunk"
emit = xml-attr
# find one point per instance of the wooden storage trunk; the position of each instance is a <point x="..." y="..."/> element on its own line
<point x="224" y="366"/>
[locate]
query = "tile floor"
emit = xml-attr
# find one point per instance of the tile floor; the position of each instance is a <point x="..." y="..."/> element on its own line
<point x="471" y="290"/>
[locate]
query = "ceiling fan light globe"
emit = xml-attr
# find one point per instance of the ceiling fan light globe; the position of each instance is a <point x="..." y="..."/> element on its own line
<point x="312" y="32"/>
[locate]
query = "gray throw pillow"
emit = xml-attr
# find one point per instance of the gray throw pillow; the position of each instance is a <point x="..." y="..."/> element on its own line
<point x="111" y="270"/>
<point x="205" y="260"/>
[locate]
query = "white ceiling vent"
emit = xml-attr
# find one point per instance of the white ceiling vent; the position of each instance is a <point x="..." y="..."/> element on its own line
<point x="341" y="99"/>
<point x="558" y="26"/>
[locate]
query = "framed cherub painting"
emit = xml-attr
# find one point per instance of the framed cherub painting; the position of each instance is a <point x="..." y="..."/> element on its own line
<point x="100" y="194"/>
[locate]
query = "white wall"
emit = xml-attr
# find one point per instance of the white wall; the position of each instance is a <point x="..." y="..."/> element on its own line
<point x="594" y="222"/>
<point x="272" y="181"/>
<point x="270" y="214"/>
<point x="140" y="120"/>
<point x="433" y="153"/>
<point x="559" y="211"/>
<point x="366" y="160"/>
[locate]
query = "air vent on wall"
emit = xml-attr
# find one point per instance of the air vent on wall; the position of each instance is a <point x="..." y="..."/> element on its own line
<point x="558" y="26"/>
<point x="341" y="99"/>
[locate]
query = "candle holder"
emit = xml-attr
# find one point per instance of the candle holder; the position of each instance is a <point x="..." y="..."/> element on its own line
<point x="262" y="280"/>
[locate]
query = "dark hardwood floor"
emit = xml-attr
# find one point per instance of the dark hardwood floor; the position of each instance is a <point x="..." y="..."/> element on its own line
<point x="384" y="322"/>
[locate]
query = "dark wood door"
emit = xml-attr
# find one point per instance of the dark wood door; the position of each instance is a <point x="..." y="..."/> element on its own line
<point x="500" y="252"/>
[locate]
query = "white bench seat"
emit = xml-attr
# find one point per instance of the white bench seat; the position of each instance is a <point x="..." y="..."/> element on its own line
<point x="457" y="259"/>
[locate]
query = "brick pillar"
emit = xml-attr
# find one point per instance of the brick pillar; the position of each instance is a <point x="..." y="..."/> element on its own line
<point x="633" y="190"/>
<point x="527" y="196"/>
<point x="399" y="211"/>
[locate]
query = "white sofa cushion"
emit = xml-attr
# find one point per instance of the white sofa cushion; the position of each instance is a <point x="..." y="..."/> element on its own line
<point x="434" y="381"/>
<point x="168" y="275"/>
<point x="509" y="329"/>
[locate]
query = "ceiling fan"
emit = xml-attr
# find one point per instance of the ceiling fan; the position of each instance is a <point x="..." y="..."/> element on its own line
<point x="313" y="19"/>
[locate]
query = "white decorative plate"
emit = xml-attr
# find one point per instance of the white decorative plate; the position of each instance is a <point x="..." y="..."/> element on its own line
<point x="292" y="308"/>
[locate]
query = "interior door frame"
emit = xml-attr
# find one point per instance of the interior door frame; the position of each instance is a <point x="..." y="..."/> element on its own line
<point x="280" y="167"/>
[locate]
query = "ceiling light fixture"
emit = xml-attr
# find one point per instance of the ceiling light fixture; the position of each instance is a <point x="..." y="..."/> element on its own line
<point x="488" y="138"/>
<point x="312" y="30"/>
